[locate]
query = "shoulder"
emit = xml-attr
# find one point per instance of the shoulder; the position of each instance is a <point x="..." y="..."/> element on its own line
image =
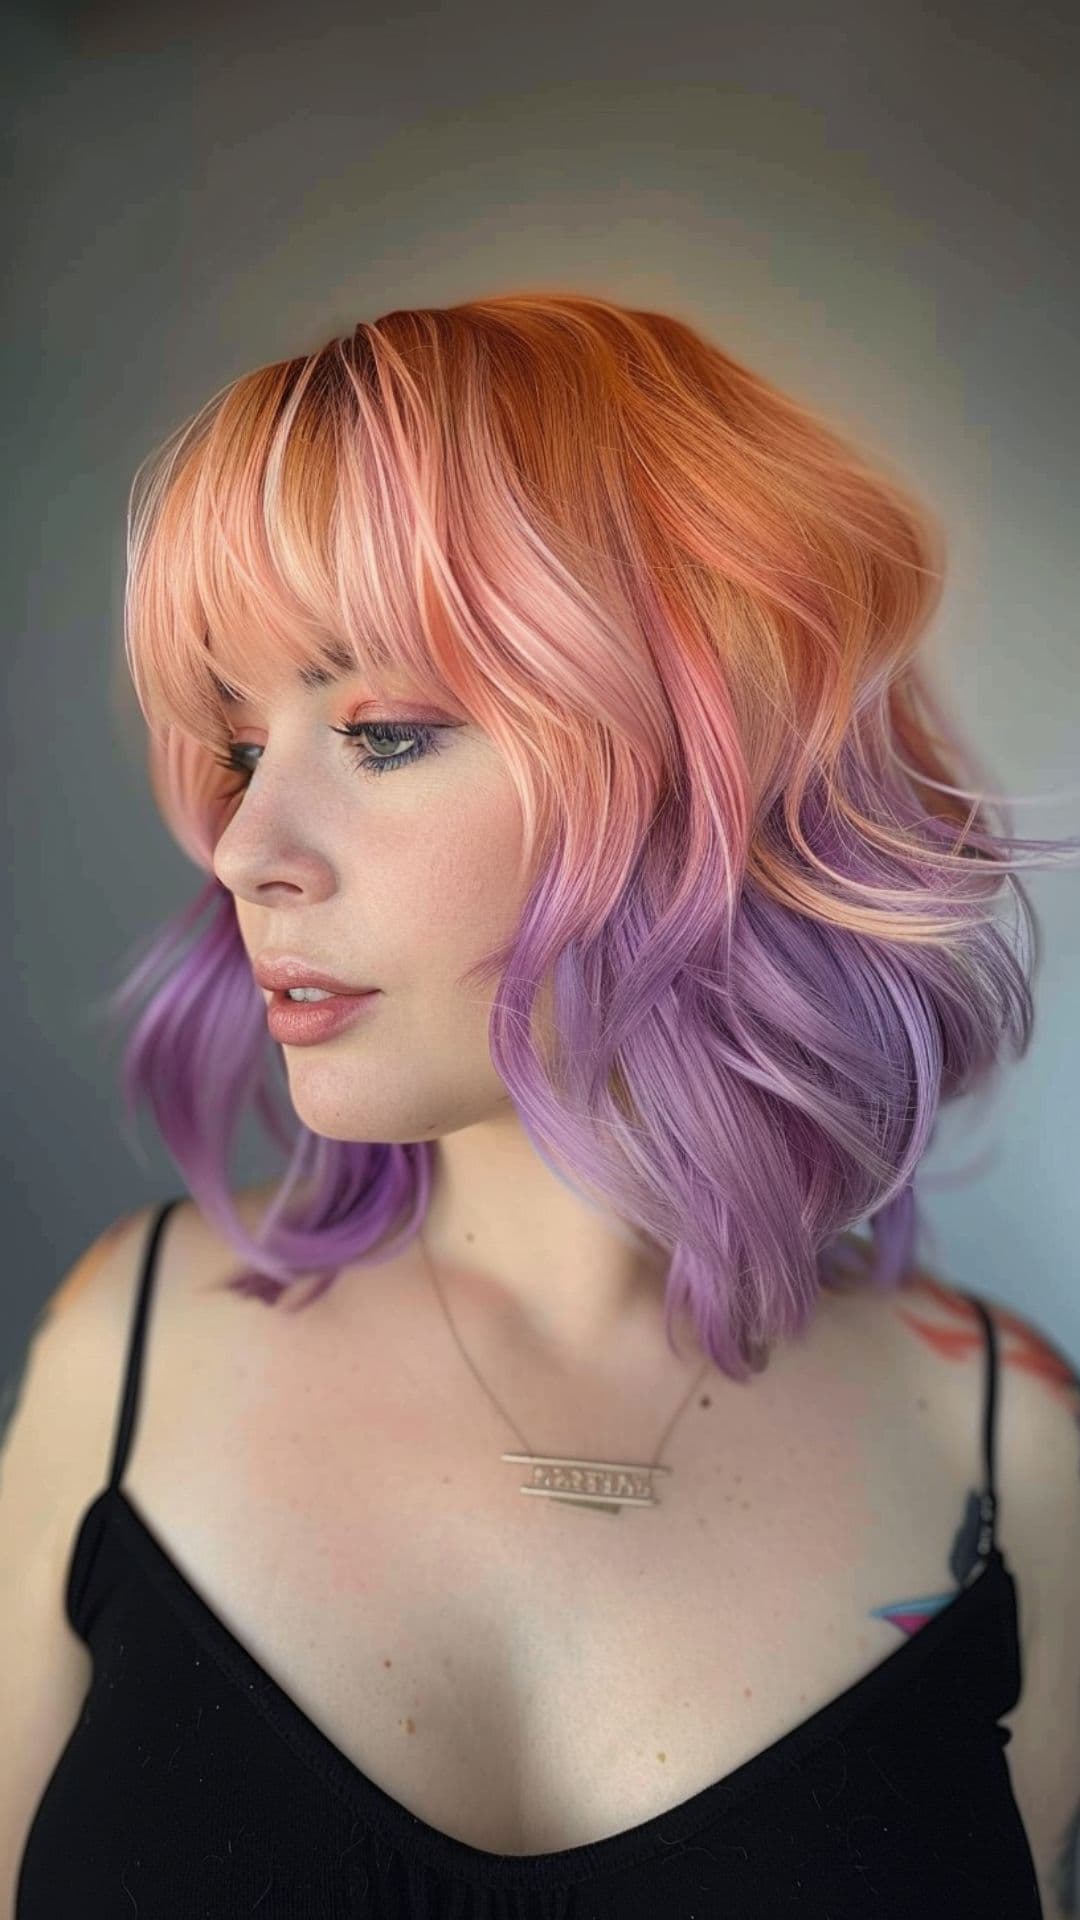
<point x="929" y="1319"/>
<point x="1037" y="1476"/>
<point x="194" y="1253"/>
<point x="79" y="1335"/>
<point x="67" y="1377"/>
<point x="60" y="1400"/>
<point x="929" y="1338"/>
<point x="91" y="1281"/>
<point x="1037" y="1411"/>
<point x="1037" y="1408"/>
<point x="1039" y="1508"/>
<point x="59" y="1421"/>
<point x="60" y="1406"/>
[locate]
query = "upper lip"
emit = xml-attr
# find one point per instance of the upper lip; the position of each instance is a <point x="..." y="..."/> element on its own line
<point x="281" y="970"/>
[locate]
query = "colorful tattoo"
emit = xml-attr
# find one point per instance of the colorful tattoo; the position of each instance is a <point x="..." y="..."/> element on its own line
<point x="1021" y="1348"/>
<point x="964" y="1561"/>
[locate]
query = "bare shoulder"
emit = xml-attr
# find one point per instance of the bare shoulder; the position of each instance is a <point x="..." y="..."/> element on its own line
<point x="1037" y="1474"/>
<point x="82" y="1311"/>
<point x="1039" y="1496"/>
<point x="927" y="1337"/>
<point x="1037" y="1414"/>
<point x="60" y="1400"/>
<point x="70" y="1373"/>
<point x="933" y="1330"/>
<point x="937" y="1329"/>
<point x="60" y="1413"/>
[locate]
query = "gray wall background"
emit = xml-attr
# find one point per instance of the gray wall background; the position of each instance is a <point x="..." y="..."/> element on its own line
<point x="870" y="205"/>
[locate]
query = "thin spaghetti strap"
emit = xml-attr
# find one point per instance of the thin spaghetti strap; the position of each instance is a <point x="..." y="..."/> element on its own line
<point x="988" y="1499"/>
<point x="133" y="1368"/>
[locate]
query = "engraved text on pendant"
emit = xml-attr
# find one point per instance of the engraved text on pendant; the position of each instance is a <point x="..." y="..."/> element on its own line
<point x="610" y="1484"/>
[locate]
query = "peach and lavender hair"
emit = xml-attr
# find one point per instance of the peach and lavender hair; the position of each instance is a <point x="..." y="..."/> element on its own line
<point x="688" y="616"/>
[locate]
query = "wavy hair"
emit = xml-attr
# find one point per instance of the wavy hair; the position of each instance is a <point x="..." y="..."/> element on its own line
<point x="688" y="615"/>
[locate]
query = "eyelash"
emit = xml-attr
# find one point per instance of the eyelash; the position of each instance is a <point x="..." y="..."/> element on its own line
<point x="390" y="730"/>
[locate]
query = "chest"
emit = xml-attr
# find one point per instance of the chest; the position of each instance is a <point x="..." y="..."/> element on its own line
<point x="519" y="1673"/>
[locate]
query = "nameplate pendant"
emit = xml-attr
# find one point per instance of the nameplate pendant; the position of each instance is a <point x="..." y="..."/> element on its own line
<point x="604" y="1485"/>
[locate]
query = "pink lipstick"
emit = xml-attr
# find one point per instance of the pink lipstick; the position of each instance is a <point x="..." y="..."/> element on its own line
<point x="301" y="1023"/>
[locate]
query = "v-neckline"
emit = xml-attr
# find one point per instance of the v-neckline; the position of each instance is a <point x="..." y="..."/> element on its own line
<point x="630" y="1845"/>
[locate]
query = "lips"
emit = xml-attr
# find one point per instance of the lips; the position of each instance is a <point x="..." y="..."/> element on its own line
<point x="284" y="993"/>
<point x="303" y="1023"/>
<point x="277" y="972"/>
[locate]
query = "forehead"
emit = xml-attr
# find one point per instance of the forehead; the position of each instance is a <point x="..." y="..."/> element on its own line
<point x="341" y="663"/>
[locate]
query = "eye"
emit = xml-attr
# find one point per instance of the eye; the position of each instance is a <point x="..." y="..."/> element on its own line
<point x="391" y="733"/>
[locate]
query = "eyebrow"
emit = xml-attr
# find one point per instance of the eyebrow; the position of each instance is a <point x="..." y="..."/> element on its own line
<point x="343" y="661"/>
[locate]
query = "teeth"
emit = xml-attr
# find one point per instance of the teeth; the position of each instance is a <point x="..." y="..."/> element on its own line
<point x="308" y="993"/>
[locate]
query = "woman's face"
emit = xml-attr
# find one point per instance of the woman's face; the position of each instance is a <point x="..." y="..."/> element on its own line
<point x="397" y="878"/>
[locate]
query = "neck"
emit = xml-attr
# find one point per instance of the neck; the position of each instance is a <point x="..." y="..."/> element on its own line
<point x="554" y="1276"/>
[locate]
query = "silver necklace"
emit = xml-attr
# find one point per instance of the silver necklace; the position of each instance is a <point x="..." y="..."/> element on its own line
<point x="604" y="1486"/>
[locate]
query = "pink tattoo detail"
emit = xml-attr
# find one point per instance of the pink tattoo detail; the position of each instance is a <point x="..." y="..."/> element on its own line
<point x="910" y="1615"/>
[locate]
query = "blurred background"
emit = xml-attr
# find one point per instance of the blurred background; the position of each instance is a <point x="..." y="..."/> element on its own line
<point x="868" y="205"/>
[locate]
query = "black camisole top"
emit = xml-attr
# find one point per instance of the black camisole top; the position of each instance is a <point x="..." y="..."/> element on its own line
<point x="192" y="1787"/>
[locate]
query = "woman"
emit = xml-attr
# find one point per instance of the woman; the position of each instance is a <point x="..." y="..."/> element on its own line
<point x="540" y="684"/>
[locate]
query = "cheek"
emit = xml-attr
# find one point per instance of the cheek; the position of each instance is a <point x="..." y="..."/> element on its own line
<point x="465" y="886"/>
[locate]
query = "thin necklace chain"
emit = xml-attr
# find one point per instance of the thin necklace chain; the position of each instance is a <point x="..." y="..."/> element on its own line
<point x="654" y="1462"/>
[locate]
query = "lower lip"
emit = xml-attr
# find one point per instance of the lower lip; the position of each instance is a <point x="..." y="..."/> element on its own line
<point x="300" y="1023"/>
